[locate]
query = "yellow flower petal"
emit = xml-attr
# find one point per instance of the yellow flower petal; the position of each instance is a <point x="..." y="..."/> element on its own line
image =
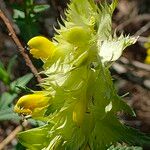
<point x="28" y="103"/>
<point x="148" y="51"/>
<point x="41" y="47"/>
<point x="79" y="113"/>
<point x="147" y="59"/>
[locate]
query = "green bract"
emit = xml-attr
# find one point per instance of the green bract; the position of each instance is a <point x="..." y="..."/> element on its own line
<point x="78" y="36"/>
<point x="84" y="102"/>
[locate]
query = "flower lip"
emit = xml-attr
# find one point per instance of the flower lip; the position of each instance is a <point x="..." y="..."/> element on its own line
<point x="41" y="47"/>
<point x="27" y="104"/>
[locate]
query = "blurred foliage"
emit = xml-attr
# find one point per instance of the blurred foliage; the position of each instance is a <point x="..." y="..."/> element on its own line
<point x="19" y="147"/>
<point x="26" y="16"/>
<point x="7" y="98"/>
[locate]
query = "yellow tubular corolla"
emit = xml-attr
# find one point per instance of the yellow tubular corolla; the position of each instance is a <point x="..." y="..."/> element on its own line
<point x="79" y="113"/>
<point x="147" y="59"/>
<point x="41" y="47"/>
<point x="28" y="103"/>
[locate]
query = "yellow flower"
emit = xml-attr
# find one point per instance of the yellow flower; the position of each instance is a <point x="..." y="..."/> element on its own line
<point x="79" y="113"/>
<point x="148" y="52"/>
<point x="147" y="59"/>
<point x="77" y="36"/>
<point x="41" y="47"/>
<point x="27" y="104"/>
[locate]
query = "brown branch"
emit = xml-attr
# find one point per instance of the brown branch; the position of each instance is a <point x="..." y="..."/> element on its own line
<point x="10" y="137"/>
<point x="7" y="13"/>
<point x="123" y="72"/>
<point x="135" y="64"/>
<point x="139" y="18"/>
<point x="13" y="134"/>
<point x="143" y="39"/>
<point x="142" y="29"/>
<point x="20" y="47"/>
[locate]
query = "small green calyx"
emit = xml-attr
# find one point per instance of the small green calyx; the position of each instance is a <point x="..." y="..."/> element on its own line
<point x="77" y="35"/>
<point x="147" y="46"/>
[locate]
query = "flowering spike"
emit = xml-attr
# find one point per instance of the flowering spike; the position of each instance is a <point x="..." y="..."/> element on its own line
<point x="84" y="103"/>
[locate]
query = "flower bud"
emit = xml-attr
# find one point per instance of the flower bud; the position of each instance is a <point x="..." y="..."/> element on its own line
<point x="29" y="103"/>
<point x="77" y="36"/>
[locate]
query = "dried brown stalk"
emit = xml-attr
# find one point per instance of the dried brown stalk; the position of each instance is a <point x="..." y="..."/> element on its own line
<point x="139" y="18"/>
<point x="10" y="137"/>
<point x="18" y="43"/>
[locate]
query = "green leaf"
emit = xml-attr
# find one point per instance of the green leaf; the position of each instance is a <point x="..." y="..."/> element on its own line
<point x="6" y="100"/>
<point x="11" y="64"/>
<point x="22" y="81"/>
<point x="19" y="147"/>
<point x="18" y="14"/>
<point x="32" y="28"/>
<point x="25" y="89"/>
<point x="2" y="65"/>
<point x="40" y="8"/>
<point x="8" y="114"/>
<point x="36" y="137"/>
<point x="17" y="6"/>
<point x="110" y="131"/>
<point x="4" y="76"/>
<point x="29" y="2"/>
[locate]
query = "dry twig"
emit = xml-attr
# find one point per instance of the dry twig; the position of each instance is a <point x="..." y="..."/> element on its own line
<point x="143" y="39"/>
<point x="120" y="68"/>
<point x="139" y="18"/>
<point x="7" y="13"/>
<point x="142" y="29"/>
<point x="134" y="63"/>
<point x="20" y="47"/>
<point x="10" y="137"/>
